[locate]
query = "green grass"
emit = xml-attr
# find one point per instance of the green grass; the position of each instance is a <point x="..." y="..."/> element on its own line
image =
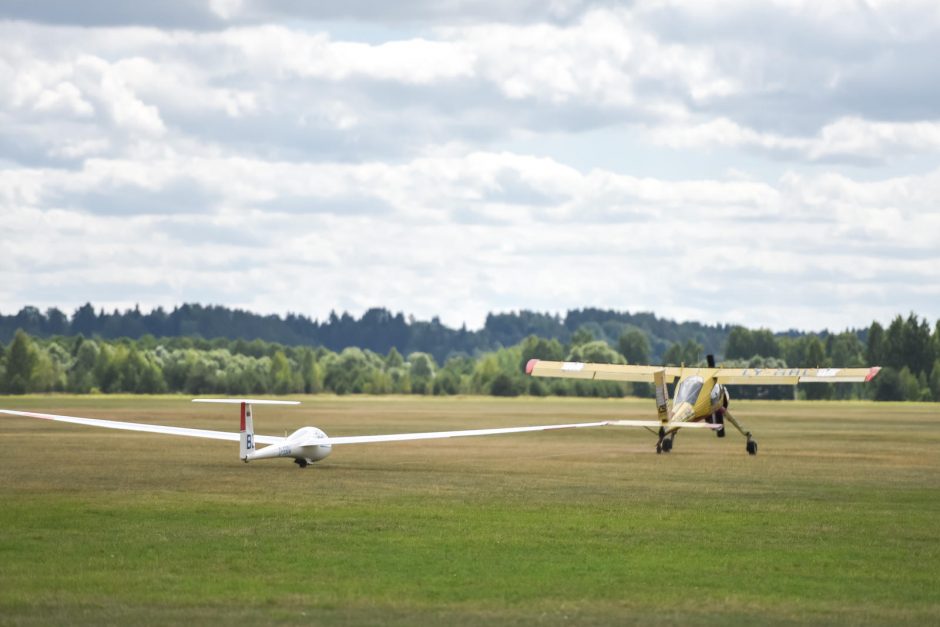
<point x="836" y="520"/>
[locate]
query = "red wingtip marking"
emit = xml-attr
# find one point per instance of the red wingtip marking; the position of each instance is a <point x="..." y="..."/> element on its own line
<point x="30" y="414"/>
<point x="529" y="367"/>
<point x="872" y="372"/>
<point x="243" y="417"/>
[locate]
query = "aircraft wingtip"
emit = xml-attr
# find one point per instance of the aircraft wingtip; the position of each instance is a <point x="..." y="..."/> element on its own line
<point x="529" y="367"/>
<point x="872" y="372"/>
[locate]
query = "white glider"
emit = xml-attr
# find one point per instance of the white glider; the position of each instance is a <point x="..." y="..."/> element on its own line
<point x="310" y="444"/>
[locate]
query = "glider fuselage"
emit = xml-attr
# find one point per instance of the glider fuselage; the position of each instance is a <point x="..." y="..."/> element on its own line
<point x="297" y="445"/>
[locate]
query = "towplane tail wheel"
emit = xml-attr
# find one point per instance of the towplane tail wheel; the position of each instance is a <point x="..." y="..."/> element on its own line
<point x="752" y="447"/>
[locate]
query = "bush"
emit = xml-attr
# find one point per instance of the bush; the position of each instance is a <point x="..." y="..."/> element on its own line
<point x="505" y="385"/>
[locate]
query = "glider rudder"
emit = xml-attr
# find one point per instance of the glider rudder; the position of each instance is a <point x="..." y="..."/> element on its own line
<point x="246" y="440"/>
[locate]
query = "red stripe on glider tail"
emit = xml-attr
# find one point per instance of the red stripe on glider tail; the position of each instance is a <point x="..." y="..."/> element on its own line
<point x="243" y="418"/>
<point x="872" y="372"/>
<point x="529" y="367"/>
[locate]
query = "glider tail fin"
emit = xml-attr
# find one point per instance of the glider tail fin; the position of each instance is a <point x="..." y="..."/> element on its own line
<point x="247" y="433"/>
<point x="247" y="427"/>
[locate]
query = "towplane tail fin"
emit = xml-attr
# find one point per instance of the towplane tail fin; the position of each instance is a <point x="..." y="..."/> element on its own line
<point x="662" y="396"/>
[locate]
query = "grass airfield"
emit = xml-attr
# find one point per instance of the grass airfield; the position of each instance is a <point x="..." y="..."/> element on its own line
<point x="836" y="520"/>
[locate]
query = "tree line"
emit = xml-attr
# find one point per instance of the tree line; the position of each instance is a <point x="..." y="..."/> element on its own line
<point x="909" y="350"/>
<point x="378" y="329"/>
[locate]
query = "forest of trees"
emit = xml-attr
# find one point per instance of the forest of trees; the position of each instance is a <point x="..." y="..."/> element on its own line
<point x="62" y="358"/>
<point x="377" y="330"/>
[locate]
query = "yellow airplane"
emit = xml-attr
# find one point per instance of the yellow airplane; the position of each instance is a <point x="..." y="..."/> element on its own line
<point x="701" y="393"/>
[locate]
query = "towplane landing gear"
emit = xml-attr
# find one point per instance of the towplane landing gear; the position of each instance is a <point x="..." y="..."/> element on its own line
<point x="751" y="445"/>
<point x="664" y="445"/>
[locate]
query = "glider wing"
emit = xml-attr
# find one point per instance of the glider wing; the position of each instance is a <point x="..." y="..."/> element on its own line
<point x="435" y="435"/>
<point x="265" y="439"/>
<point x="136" y="426"/>
<point x="668" y="425"/>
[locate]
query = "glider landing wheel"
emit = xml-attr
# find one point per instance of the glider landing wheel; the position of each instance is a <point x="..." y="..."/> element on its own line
<point x="667" y="445"/>
<point x="302" y="463"/>
<point x="752" y="447"/>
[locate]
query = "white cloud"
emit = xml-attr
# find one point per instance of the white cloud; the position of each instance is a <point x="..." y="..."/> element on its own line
<point x="291" y="53"/>
<point x="64" y="98"/>
<point x="476" y="83"/>
<point x="850" y="139"/>
<point x="853" y="136"/>
<point x="227" y="9"/>
<point x="287" y="167"/>
<point x="595" y="237"/>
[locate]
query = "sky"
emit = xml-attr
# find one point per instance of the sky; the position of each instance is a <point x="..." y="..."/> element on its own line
<point x="773" y="164"/>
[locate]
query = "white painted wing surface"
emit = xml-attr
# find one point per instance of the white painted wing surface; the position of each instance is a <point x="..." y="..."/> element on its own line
<point x="434" y="435"/>
<point x="136" y="426"/>
<point x="247" y="401"/>
<point x="792" y="376"/>
<point x="668" y="425"/>
<point x="598" y="372"/>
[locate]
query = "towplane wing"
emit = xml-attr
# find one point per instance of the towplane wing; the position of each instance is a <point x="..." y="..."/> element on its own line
<point x="600" y="372"/>
<point x="732" y="376"/>
<point x="792" y="376"/>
